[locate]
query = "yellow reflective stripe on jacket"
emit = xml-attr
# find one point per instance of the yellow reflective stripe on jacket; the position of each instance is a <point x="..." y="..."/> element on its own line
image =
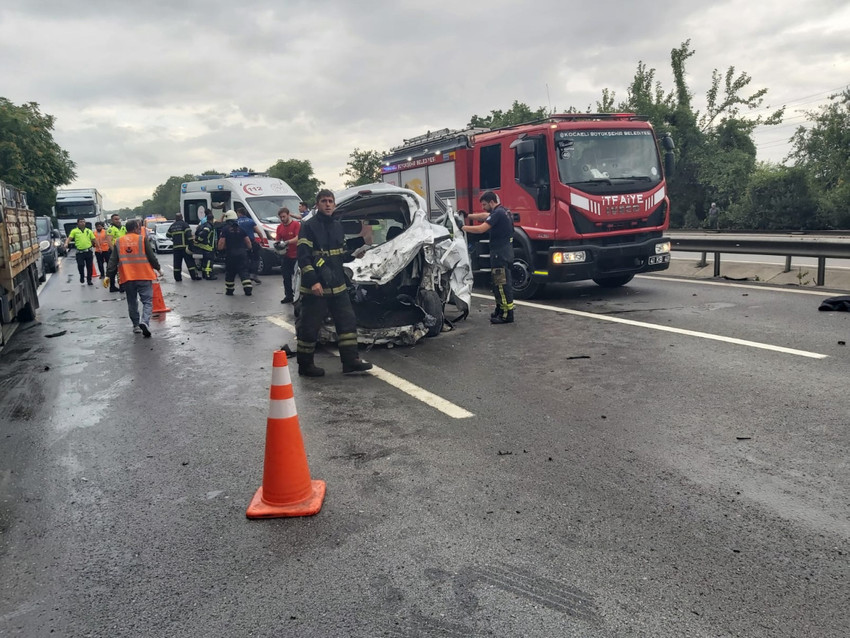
<point x="327" y="292"/>
<point x="305" y="241"/>
<point x="334" y="252"/>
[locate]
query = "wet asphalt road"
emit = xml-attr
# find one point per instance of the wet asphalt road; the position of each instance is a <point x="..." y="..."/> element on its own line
<point x="614" y="479"/>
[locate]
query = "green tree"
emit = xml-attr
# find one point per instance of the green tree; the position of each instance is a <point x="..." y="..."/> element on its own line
<point x="363" y="167"/>
<point x="519" y="113"/>
<point x="299" y="175"/>
<point x="823" y="150"/>
<point x="165" y="200"/>
<point x="777" y="198"/>
<point x="30" y="159"/>
<point x="715" y="151"/>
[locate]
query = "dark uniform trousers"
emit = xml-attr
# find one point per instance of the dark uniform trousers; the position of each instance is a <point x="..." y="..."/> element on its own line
<point x="314" y="309"/>
<point x="237" y="265"/>
<point x="85" y="259"/>
<point x="102" y="262"/>
<point x="207" y="263"/>
<point x="181" y="255"/>
<point x="501" y="262"/>
<point x="287" y="267"/>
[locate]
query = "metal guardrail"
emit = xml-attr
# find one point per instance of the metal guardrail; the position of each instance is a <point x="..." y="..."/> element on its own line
<point x="821" y="248"/>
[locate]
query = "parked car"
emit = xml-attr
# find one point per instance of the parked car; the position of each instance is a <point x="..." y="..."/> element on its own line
<point x="405" y="269"/>
<point x="162" y="243"/>
<point x="46" y="233"/>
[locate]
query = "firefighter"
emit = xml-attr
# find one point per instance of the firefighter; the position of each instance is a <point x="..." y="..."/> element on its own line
<point x="180" y="234"/>
<point x="205" y="241"/>
<point x="321" y="250"/>
<point x="237" y="248"/>
<point x="497" y="219"/>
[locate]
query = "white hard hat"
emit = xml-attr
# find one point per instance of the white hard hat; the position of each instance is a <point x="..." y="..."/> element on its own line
<point x="230" y="216"/>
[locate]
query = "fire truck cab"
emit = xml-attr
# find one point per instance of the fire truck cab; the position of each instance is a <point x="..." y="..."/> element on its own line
<point x="587" y="193"/>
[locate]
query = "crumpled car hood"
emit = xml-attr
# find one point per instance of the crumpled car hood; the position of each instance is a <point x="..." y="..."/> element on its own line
<point x="380" y="264"/>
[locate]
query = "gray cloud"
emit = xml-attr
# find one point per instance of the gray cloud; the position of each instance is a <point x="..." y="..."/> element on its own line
<point x="142" y="91"/>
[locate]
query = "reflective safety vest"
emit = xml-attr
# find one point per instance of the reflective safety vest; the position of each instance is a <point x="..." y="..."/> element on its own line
<point x="83" y="239"/>
<point x="133" y="264"/>
<point x="101" y="241"/>
<point x="116" y="233"/>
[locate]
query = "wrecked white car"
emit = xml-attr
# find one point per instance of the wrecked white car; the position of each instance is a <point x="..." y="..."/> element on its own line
<point x="405" y="268"/>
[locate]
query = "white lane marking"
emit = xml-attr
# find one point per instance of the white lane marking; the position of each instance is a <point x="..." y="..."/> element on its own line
<point x="770" y="288"/>
<point x="428" y="398"/>
<point x="654" y="326"/>
<point x="41" y="286"/>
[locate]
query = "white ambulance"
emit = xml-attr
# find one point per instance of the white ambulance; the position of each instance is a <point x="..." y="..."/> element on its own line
<point x="261" y="195"/>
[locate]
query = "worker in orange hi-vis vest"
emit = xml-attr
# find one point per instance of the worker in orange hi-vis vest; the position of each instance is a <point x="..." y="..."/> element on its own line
<point x="101" y="247"/>
<point x="133" y="259"/>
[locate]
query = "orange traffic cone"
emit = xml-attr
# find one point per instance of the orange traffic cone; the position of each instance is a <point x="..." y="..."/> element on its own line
<point x="158" y="301"/>
<point x="94" y="267"/>
<point x="287" y="489"/>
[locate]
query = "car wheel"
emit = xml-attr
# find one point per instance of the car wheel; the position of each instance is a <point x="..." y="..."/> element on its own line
<point x="430" y="303"/>
<point x="613" y="282"/>
<point x="265" y="264"/>
<point x="524" y="285"/>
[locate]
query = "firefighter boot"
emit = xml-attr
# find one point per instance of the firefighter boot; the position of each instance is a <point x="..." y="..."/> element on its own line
<point x="306" y="367"/>
<point x="351" y="362"/>
<point x="508" y="318"/>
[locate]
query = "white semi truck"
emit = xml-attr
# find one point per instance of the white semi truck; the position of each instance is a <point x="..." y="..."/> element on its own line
<point x="73" y="203"/>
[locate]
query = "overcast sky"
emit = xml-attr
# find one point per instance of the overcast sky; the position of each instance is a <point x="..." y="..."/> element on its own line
<point x="149" y="89"/>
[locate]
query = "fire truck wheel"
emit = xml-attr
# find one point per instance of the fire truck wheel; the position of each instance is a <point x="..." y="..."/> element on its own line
<point x="613" y="282"/>
<point x="523" y="282"/>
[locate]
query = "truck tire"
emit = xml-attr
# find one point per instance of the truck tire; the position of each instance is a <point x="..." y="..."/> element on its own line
<point x="27" y="313"/>
<point x="613" y="282"/>
<point x="524" y="285"/>
<point x="430" y="302"/>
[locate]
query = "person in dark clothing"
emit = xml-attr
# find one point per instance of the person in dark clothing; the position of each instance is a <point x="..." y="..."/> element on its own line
<point x="324" y="288"/>
<point x="497" y="220"/>
<point x="254" y="233"/>
<point x="236" y="246"/>
<point x="205" y="242"/>
<point x="180" y="234"/>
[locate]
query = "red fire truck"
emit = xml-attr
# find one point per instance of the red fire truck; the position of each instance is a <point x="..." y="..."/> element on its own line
<point x="587" y="193"/>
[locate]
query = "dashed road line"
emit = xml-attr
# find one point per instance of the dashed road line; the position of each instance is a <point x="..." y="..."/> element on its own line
<point x="654" y="326"/>
<point x="428" y="398"/>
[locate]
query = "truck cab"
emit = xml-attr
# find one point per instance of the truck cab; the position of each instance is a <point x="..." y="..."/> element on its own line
<point x="587" y="193"/>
